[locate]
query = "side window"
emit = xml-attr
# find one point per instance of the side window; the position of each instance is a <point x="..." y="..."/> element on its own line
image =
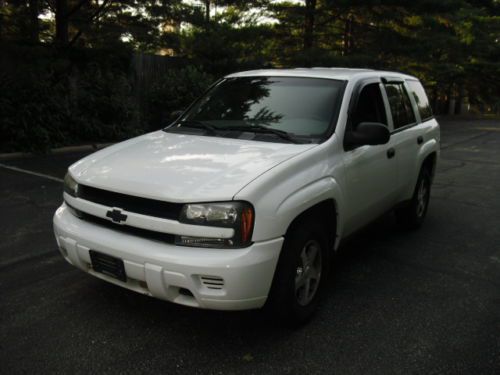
<point x="399" y="101"/>
<point x="369" y="107"/>
<point x="423" y="105"/>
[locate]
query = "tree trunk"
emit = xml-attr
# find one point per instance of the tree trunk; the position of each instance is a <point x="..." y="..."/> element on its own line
<point x="2" y="4"/>
<point x="309" y="24"/>
<point x="62" y="23"/>
<point x="34" y="22"/>
<point x="207" y="12"/>
<point x="347" y="36"/>
<point x="435" y="100"/>
<point x="460" y="100"/>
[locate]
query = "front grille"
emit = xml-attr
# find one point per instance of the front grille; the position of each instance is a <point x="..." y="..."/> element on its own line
<point x="139" y="205"/>
<point x="138" y="232"/>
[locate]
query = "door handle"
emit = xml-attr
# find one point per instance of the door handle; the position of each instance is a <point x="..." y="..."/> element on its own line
<point x="391" y="152"/>
<point x="420" y="140"/>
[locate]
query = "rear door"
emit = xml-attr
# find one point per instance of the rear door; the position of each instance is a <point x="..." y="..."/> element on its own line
<point x="370" y="171"/>
<point x="406" y="134"/>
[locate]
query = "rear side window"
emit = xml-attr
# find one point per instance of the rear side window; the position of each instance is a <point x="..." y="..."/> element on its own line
<point x="423" y="105"/>
<point x="399" y="101"/>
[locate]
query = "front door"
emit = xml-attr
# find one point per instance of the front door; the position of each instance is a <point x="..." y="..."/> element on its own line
<point x="371" y="173"/>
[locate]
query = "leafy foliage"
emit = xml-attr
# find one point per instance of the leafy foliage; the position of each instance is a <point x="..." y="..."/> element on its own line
<point x="33" y="114"/>
<point x="70" y="80"/>
<point x="175" y="91"/>
<point x="52" y="101"/>
<point x="102" y="106"/>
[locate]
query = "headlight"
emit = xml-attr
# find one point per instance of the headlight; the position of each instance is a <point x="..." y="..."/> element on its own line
<point x="236" y="215"/>
<point x="70" y="185"/>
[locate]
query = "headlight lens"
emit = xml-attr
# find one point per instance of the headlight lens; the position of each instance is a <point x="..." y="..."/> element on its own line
<point x="70" y="185"/>
<point x="236" y="215"/>
<point x="214" y="214"/>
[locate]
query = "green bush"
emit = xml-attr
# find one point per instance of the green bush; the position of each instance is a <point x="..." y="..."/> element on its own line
<point x="176" y="90"/>
<point x="103" y="107"/>
<point x="51" y="99"/>
<point x="33" y="112"/>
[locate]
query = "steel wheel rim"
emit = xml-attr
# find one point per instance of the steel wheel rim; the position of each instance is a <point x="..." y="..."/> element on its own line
<point x="422" y="198"/>
<point x="308" y="272"/>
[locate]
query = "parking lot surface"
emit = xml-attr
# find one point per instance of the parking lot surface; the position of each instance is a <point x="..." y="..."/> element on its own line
<point x="424" y="302"/>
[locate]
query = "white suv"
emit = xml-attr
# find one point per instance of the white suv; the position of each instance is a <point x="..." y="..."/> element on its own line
<point x="242" y="200"/>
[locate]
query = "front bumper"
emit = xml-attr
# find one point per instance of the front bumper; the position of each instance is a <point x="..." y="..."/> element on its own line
<point x="178" y="274"/>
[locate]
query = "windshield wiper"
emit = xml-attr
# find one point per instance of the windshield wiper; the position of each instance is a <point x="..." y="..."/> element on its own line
<point x="199" y="125"/>
<point x="262" y="129"/>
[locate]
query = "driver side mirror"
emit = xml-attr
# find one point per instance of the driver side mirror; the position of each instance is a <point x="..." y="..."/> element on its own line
<point x="367" y="133"/>
<point x="174" y="115"/>
<point x="169" y="118"/>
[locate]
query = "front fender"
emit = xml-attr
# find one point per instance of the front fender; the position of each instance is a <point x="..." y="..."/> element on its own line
<point x="277" y="206"/>
<point x="308" y="196"/>
<point x="284" y="192"/>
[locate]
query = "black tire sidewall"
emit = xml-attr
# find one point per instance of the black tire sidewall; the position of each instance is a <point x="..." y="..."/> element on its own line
<point x="282" y="298"/>
<point x="426" y="178"/>
<point x="407" y="215"/>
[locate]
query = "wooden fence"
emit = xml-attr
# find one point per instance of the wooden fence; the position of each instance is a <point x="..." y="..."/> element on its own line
<point x="145" y="70"/>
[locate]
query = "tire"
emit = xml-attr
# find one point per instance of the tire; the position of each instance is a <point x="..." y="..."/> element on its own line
<point x="300" y="274"/>
<point x="412" y="215"/>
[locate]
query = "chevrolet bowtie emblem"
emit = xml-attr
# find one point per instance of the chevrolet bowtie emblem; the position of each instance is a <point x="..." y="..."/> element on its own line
<point x="116" y="215"/>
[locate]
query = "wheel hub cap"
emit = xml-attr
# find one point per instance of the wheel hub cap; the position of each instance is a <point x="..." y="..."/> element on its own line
<point x="421" y="198"/>
<point x="308" y="273"/>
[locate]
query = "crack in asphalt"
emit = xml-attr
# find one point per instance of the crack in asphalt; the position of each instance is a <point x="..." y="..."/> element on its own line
<point x="460" y="165"/>
<point x="464" y="141"/>
<point x="19" y="236"/>
<point x="465" y="161"/>
<point x="461" y="275"/>
<point x="27" y="258"/>
<point x="452" y="184"/>
<point x="26" y="171"/>
<point x="472" y="204"/>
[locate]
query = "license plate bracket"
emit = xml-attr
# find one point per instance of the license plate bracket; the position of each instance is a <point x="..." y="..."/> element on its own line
<point x="108" y="265"/>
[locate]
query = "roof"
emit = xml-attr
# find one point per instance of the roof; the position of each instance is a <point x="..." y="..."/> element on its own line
<point x="331" y="73"/>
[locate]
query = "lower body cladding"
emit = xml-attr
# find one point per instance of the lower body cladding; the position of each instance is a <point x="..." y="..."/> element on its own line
<point x="220" y="279"/>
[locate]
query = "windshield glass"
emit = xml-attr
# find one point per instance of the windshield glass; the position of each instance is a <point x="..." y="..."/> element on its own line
<point x="274" y="108"/>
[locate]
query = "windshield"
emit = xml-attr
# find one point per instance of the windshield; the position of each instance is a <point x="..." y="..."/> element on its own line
<point x="277" y="109"/>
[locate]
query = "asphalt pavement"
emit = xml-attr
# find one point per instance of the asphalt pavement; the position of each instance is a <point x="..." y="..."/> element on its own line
<point x="424" y="302"/>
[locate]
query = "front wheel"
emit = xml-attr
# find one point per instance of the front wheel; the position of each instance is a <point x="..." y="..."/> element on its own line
<point x="300" y="273"/>
<point x="412" y="215"/>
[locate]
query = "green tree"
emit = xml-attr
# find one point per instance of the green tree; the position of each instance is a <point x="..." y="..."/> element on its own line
<point x="19" y="20"/>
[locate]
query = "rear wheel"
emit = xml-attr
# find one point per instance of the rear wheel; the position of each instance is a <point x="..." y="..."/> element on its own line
<point x="412" y="215"/>
<point x="300" y="273"/>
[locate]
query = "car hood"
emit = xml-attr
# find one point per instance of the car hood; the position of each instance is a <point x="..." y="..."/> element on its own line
<point x="181" y="168"/>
